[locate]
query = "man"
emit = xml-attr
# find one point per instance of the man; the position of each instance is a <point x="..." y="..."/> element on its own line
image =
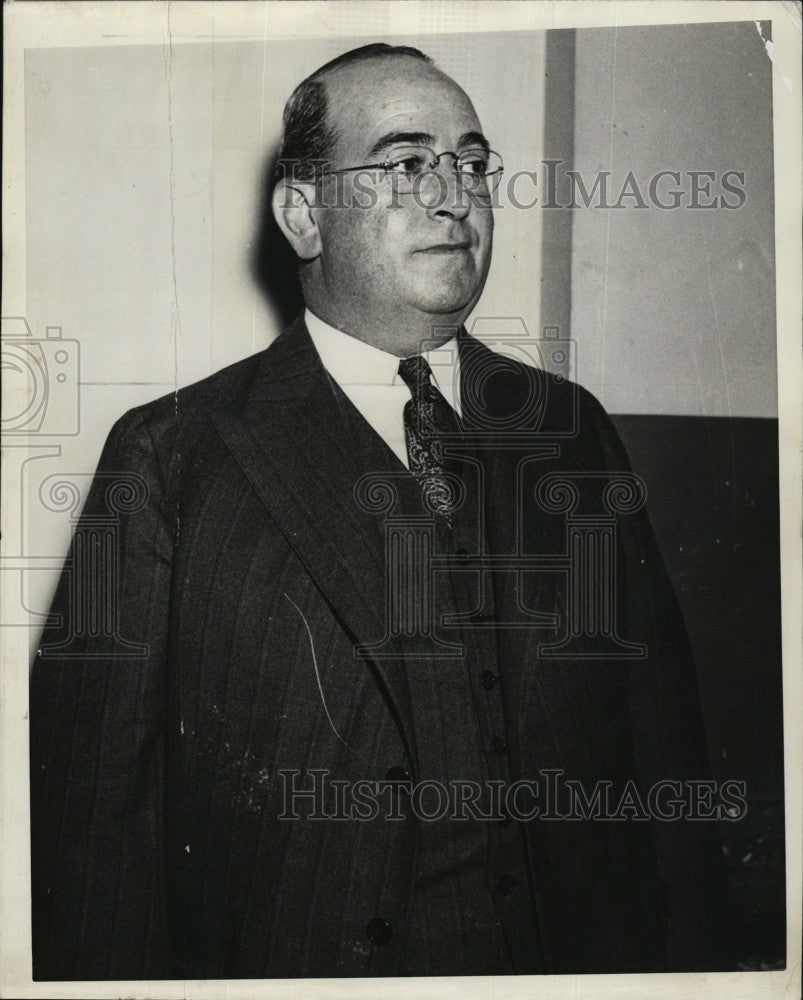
<point x="319" y="592"/>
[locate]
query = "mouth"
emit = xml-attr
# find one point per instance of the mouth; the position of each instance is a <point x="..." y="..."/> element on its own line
<point x="446" y="248"/>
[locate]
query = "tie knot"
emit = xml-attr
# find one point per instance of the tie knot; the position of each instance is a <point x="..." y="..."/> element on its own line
<point x="415" y="372"/>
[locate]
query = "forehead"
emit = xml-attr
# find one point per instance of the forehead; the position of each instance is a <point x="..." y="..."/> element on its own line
<point x="370" y="99"/>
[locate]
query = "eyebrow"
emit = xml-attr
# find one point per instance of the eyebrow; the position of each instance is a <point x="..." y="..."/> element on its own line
<point x="425" y="139"/>
<point x="392" y="138"/>
<point x="474" y="139"/>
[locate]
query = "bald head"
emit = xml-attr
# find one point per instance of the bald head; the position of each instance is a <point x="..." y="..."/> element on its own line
<point x="308" y="137"/>
<point x="378" y="103"/>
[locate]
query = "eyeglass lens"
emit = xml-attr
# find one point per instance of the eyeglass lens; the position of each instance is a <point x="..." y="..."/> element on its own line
<point x="478" y="168"/>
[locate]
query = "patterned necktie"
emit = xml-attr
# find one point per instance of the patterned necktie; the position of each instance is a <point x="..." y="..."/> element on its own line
<point x="428" y="420"/>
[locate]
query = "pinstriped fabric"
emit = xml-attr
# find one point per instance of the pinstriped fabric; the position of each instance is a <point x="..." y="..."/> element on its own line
<point x="157" y="788"/>
<point x="94" y="767"/>
<point x="292" y="730"/>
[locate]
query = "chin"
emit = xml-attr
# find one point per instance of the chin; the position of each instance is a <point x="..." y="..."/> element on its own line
<point x="446" y="300"/>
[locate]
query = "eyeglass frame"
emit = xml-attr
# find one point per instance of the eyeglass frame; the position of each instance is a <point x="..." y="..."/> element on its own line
<point x="446" y="152"/>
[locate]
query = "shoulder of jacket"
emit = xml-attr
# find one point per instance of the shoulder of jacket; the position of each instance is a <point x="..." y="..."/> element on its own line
<point x="561" y="396"/>
<point x="184" y="408"/>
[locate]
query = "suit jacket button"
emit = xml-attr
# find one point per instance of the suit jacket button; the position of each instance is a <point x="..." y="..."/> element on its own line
<point x="397" y="774"/>
<point x="379" y="931"/>
<point x="488" y="679"/>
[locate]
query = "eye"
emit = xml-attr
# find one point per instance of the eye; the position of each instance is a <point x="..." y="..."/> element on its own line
<point x="474" y="162"/>
<point x="407" y="161"/>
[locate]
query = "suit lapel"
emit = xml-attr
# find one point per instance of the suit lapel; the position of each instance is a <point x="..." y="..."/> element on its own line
<point x="304" y="447"/>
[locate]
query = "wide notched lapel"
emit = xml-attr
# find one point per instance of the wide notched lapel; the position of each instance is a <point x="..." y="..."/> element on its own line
<point x="293" y="438"/>
<point x="512" y="417"/>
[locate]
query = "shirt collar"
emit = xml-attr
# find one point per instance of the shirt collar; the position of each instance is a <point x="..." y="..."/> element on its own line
<point x="353" y="362"/>
<point x="350" y="361"/>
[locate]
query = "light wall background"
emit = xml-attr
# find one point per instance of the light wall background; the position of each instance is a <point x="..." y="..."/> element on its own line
<point x="674" y="311"/>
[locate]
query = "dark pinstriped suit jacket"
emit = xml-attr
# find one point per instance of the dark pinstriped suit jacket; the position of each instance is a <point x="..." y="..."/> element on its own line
<point x="156" y="847"/>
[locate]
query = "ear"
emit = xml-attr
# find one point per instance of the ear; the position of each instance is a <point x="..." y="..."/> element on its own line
<point x="292" y="208"/>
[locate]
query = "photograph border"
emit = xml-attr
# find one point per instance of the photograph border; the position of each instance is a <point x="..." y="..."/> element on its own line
<point x="44" y="24"/>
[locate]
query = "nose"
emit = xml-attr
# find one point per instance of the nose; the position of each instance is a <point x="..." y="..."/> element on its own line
<point x="442" y="192"/>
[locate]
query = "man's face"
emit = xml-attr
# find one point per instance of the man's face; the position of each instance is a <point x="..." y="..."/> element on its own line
<point x="425" y="252"/>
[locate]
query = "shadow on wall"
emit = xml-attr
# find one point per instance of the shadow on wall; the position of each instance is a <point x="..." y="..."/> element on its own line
<point x="273" y="262"/>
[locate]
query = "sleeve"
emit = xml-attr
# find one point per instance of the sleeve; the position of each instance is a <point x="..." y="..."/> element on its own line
<point x="97" y="705"/>
<point x="669" y="738"/>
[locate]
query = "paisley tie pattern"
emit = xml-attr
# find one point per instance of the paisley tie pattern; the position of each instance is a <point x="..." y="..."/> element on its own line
<point x="428" y="421"/>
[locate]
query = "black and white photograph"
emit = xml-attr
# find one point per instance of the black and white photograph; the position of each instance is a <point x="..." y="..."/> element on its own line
<point x="401" y="499"/>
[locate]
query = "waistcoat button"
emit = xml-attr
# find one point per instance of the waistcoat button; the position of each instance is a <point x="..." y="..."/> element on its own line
<point x="379" y="931"/>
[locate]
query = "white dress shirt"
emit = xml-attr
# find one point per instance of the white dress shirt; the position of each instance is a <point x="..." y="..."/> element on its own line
<point x="370" y="378"/>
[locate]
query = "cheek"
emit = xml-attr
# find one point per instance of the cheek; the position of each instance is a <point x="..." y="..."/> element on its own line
<point x="484" y="222"/>
<point x="358" y="244"/>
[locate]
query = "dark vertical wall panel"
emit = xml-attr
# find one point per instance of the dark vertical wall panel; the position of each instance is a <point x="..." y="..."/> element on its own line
<point x="556" y="255"/>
